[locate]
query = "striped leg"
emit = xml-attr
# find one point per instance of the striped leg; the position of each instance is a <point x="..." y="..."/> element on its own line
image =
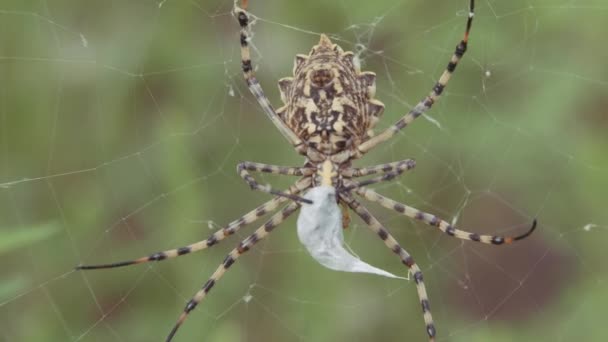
<point x="218" y="236"/>
<point x="354" y="172"/>
<point x="389" y="171"/>
<point x="429" y="100"/>
<point x="253" y="84"/>
<point x="243" y="247"/>
<point x="406" y="259"/>
<point x="244" y="168"/>
<point x="275" y="169"/>
<point x="434" y="221"/>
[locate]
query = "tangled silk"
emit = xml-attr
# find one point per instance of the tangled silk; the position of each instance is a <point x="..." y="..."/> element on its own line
<point x="320" y="231"/>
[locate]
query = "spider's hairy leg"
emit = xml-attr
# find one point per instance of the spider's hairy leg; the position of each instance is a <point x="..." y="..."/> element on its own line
<point x="218" y="236"/>
<point x="243" y="169"/>
<point x="434" y="221"/>
<point x="243" y="247"/>
<point x="405" y="257"/>
<point x="354" y="172"/>
<point x="254" y="86"/>
<point x="345" y="215"/>
<point x="430" y="99"/>
<point x="388" y="172"/>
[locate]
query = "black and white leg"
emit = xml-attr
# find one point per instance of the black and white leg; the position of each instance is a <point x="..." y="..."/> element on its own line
<point x="215" y="238"/>
<point x="387" y="172"/>
<point x="243" y="169"/>
<point x="435" y="221"/>
<point x="243" y="247"/>
<point x="355" y="172"/>
<point x="244" y="20"/>
<point x="430" y="99"/>
<point x="405" y="257"/>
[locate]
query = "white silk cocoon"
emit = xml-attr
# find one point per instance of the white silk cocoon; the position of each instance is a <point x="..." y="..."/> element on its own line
<point x="320" y="231"/>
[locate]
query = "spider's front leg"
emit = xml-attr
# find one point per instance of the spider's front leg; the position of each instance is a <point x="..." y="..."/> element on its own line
<point x="241" y="249"/>
<point x="243" y="169"/>
<point x="405" y="257"/>
<point x="215" y="238"/>
<point x="435" y="221"/>
<point x="254" y="86"/>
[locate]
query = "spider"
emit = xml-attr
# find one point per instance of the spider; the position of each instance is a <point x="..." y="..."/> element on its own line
<point x="328" y="115"/>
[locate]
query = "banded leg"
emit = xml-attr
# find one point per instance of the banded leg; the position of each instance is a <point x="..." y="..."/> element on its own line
<point x="218" y="236"/>
<point x="434" y="221"/>
<point x="254" y="85"/>
<point x="244" y="168"/>
<point x="243" y="247"/>
<point x="405" y="257"/>
<point x="430" y="99"/>
<point x="355" y="172"/>
<point x="275" y="169"/>
<point x="389" y="172"/>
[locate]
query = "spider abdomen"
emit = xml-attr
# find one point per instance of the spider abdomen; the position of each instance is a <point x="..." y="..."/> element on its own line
<point x="329" y="102"/>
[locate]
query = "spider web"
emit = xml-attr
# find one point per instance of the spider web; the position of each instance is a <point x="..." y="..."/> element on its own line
<point x="121" y="124"/>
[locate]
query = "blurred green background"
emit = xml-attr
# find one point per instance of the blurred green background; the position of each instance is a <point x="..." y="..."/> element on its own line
<point x="121" y="123"/>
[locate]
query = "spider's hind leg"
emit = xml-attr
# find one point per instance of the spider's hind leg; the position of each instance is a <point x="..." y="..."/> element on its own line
<point x="244" y="20"/>
<point x="427" y="102"/>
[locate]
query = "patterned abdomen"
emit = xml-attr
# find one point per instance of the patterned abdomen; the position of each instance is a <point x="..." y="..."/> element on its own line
<point x="329" y="102"/>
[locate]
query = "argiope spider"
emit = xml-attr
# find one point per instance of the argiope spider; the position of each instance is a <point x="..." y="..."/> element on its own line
<point x="328" y="115"/>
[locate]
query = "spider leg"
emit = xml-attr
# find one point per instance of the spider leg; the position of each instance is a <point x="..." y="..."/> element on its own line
<point x="345" y="215"/>
<point x="389" y="171"/>
<point x="355" y="172"/>
<point x="405" y="257"/>
<point x="243" y="247"/>
<point x="434" y="221"/>
<point x="244" y="168"/>
<point x="253" y="84"/>
<point x="276" y="169"/>
<point x="430" y="99"/>
<point x="218" y="236"/>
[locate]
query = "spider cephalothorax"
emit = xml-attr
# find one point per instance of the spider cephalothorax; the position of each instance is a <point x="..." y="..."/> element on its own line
<point x="329" y="102"/>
